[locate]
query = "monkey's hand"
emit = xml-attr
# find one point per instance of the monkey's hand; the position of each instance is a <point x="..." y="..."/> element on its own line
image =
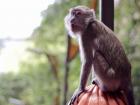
<point x="75" y="96"/>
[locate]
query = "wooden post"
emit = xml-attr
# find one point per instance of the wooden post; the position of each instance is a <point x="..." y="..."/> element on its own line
<point x="107" y="12"/>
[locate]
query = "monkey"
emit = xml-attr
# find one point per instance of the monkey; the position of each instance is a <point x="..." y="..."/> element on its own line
<point x="101" y="50"/>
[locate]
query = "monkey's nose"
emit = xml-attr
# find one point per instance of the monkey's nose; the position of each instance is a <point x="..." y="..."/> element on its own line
<point x="72" y="21"/>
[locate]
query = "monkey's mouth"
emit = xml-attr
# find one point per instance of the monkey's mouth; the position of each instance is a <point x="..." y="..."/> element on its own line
<point x="75" y="27"/>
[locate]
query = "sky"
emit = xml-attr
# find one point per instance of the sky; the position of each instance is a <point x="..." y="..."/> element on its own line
<point x="18" y="19"/>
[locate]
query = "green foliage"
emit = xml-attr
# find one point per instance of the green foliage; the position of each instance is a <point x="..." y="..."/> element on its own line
<point x="36" y="83"/>
<point x="11" y="87"/>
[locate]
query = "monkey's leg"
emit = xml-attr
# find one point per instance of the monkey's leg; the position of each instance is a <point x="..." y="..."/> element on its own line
<point x="104" y="74"/>
<point x="107" y="81"/>
<point x="100" y="67"/>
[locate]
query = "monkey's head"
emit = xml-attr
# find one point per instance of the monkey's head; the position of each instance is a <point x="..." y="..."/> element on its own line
<point x="77" y="19"/>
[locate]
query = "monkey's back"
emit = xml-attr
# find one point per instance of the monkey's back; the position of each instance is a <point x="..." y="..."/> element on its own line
<point x="111" y="49"/>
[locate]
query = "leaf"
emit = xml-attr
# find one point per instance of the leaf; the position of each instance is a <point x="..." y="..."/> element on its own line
<point x="93" y="4"/>
<point x="72" y="49"/>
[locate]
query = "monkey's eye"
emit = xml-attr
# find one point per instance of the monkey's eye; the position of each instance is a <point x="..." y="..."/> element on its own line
<point x="78" y="13"/>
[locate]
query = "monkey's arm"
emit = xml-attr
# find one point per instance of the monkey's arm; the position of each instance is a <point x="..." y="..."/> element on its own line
<point x="87" y="54"/>
<point x="85" y="70"/>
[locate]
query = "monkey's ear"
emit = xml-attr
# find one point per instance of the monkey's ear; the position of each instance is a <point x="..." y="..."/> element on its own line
<point x="93" y="13"/>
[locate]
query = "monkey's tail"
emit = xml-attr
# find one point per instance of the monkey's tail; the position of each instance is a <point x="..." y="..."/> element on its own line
<point x="129" y="95"/>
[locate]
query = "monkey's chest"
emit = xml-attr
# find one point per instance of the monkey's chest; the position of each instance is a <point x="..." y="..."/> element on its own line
<point x="82" y="54"/>
<point x="86" y="51"/>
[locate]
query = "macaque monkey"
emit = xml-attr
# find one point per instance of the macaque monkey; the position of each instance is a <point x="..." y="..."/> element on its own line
<point x="101" y="50"/>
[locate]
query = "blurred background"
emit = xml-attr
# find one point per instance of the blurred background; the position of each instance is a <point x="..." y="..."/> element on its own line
<point x="33" y="46"/>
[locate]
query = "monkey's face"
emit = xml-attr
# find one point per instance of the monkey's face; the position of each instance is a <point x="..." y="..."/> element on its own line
<point x="78" y="18"/>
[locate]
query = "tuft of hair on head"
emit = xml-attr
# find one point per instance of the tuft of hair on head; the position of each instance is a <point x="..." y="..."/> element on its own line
<point x="93" y="13"/>
<point x="82" y="7"/>
<point x="89" y="11"/>
<point x="92" y="16"/>
<point x="86" y="9"/>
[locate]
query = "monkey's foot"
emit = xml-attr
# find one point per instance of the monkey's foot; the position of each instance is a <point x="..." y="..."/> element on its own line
<point x="75" y="96"/>
<point x="102" y="87"/>
<point x="94" y="81"/>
